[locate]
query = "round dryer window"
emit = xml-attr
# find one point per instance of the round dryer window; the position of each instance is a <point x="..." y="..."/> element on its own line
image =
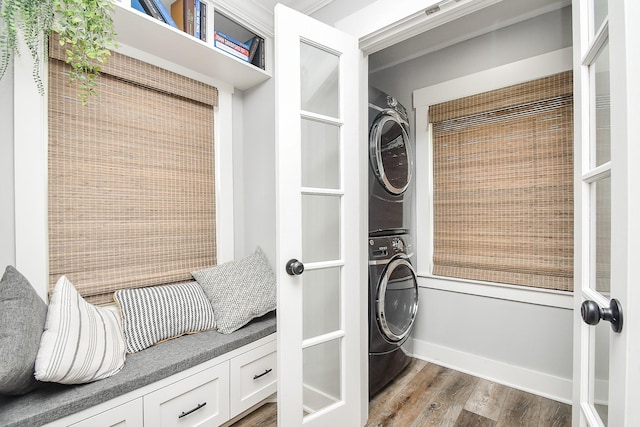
<point x="397" y="299"/>
<point x="389" y="149"/>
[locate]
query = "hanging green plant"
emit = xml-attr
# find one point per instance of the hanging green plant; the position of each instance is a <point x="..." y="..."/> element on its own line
<point x="85" y="29"/>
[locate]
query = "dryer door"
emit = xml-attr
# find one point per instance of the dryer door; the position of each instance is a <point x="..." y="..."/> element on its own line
<point x="397" y="299"/>
<point x="390" y="151"/>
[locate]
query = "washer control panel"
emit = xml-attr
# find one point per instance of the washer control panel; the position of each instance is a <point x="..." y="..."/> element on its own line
<point x="387" y="247"/>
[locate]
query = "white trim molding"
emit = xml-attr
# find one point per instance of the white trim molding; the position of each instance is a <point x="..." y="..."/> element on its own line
<point x="539" y="383"/>
<point x="529" y="295"/>
<point x="402" y="20"/>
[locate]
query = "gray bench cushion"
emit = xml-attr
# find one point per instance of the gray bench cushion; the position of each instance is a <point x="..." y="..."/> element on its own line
<point x="53" y="401"/>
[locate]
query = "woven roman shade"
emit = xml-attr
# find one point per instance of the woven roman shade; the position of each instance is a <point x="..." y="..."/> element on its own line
<point x="131" y="178"/>
<point x="503" y="185"/>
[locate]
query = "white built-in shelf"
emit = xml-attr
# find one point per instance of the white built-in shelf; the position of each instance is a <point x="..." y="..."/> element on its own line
<point x="147" y="34"/>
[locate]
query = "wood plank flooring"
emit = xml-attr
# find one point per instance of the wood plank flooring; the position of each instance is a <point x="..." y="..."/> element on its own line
<point x="426" y="394"/>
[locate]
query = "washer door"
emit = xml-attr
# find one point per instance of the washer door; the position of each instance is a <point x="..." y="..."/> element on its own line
<point x="390" y="151"/>
<point x="397" y="299"/>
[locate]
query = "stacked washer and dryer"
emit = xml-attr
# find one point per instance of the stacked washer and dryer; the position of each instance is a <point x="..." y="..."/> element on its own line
<point x="393" y="286"/>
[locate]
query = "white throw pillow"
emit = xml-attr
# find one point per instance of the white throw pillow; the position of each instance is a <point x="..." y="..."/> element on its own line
<point x="81" y="342"/>
<point x="239" y="290"/>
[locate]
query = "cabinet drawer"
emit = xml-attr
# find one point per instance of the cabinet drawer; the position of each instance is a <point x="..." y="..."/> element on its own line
<point x="253" y="377"/>
<point x="128" y="414"/>
<point x="201" y="399"/>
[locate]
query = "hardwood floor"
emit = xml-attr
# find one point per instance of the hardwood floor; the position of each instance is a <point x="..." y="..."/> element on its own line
<point x="426" y="394"/>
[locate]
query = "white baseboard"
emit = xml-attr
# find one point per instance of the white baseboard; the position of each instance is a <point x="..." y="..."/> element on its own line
<point x="535" y="382"/>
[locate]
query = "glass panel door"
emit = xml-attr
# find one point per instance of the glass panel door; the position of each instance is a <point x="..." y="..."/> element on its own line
<point x="319" y="336"/>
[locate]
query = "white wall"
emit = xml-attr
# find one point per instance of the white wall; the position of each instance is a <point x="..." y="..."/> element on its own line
<point x="7" y="197"/>
<point x="525" y="345"/>
<point x="258" y="172"/>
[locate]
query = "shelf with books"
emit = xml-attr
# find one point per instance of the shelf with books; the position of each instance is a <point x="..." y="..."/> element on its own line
<point x="140" y="30"/>
<point x="237" y="40"/>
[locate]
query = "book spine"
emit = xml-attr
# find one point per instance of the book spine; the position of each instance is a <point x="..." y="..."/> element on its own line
<point x="258" y="58"/>
<point x="166" y="16"/>
<point x="253" y="43"/>
<point x="151" y="9"/>
<point x="135" y="4"/>
<point x="189" y="13"/>
<point x="203" y="21"/>
<point x="220" y="38"/>
<point x="222" y="46"/>
<point x="196" y="19"/>
<point x="177" y="13"/>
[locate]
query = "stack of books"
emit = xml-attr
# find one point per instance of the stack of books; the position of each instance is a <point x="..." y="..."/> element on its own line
<point x="191" y="17"/>
<point x="251" y="51"/>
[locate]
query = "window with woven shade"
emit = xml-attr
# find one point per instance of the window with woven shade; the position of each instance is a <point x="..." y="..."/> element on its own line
<point x="503" y="185"/>
<point x="131" y="178"/>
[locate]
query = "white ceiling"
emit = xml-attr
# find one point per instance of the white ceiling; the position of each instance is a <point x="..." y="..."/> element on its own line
<point x="491" y="18"/>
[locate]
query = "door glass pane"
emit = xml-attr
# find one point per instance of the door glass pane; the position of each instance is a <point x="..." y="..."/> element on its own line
<point x="602" y="238"/>
<point x="320" y="228"/>
<point x="601" y="334"/>
<point x="320" y="302"/>
<point x="321" y="365"/>
<point x="319" y="81"/>
<point x="600" y="11"/>
<point x="600" y="105"/>
<point x="320" y="155"/>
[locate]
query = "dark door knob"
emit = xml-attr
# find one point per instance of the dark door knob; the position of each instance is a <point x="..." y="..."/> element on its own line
<point x="294" y="267"/>
<point x="592" y="313"/>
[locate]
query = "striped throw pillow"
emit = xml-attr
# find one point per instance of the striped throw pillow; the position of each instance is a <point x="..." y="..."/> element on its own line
<point x="159" y="313"/>
<point x="81" y="342"/>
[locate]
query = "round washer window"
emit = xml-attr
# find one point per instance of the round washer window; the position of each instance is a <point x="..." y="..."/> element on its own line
<point x="397" y="299"/>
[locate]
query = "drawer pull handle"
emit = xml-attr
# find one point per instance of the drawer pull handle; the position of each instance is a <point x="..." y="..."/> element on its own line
<point x="255" y="377"/>
<point x="184" y="414"/>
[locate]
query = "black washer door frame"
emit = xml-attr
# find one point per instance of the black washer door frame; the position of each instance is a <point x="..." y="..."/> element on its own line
<point x="399" y="261"/>
<point x="377" y="152"/>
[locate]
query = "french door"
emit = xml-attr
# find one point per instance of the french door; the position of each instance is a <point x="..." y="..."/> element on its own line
<point x="607" y="235"/>
<point x="320" y="240"/>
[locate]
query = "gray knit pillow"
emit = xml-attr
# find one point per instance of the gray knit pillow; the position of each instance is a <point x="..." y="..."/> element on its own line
<point x="159" y="313"/>
<point x="22" y="317"/>
<point x="239" y="290"/>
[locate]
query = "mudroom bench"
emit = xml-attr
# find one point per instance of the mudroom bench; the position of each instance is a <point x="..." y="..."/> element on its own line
<point x="204" y="376"/>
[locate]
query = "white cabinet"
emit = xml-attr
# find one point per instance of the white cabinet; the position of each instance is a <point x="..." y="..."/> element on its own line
<point x="209" y="394"/>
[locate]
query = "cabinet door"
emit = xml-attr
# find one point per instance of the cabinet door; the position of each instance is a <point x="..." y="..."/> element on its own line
<point x="199" y="400"/>
<point x="126" y="415"/>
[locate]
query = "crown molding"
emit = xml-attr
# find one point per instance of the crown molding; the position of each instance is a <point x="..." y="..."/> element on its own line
<point x="258" y="14"/>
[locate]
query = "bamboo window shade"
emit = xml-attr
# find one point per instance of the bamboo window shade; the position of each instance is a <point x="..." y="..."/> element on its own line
<point x="131" y="178"/>
<point x="503" y="185"/>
